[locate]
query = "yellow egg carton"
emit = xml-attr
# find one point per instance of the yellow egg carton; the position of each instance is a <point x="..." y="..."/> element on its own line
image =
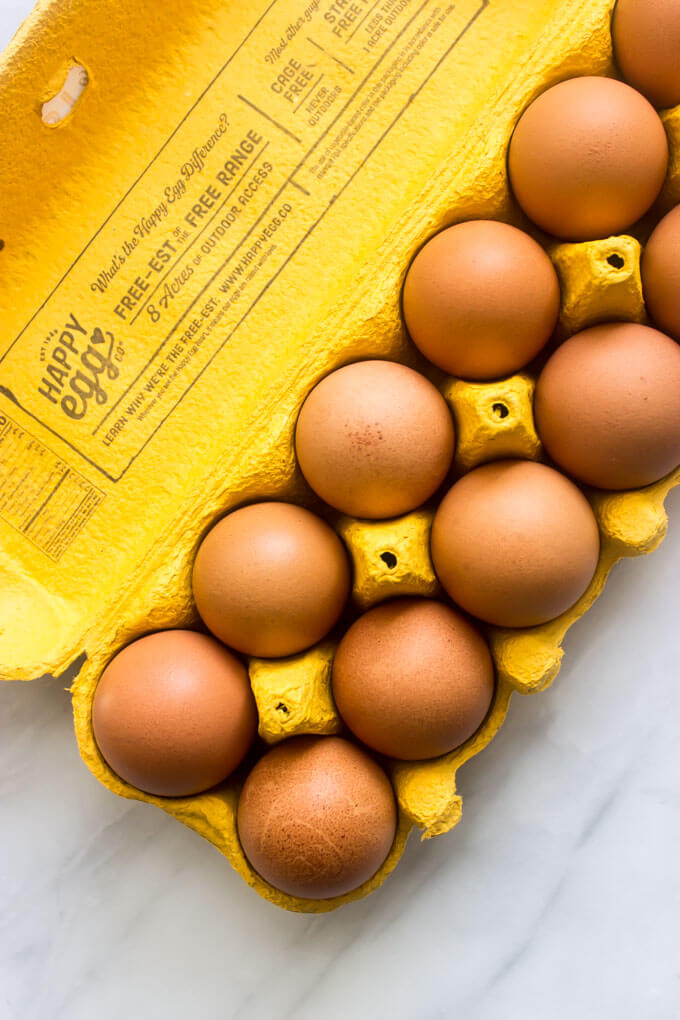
<point x="204" y="211"/>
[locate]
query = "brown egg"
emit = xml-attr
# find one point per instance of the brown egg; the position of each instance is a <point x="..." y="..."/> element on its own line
<point x="588" y="158"/>
<point x="647" y="47"/>
<point x="271" y="579"/>
<point x="413" y="679"/>
<point x="608" y="406"/>
<point x="515" y="543"/>
<point x="173" y="713"/>
<point x="374" y="439"/>
<point x="661" y="273"/>
<point x="317" y="817"/>
<point x="481" y="299"/>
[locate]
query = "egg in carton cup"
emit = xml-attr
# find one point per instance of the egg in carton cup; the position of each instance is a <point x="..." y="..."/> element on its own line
<point x="201" y="221"/>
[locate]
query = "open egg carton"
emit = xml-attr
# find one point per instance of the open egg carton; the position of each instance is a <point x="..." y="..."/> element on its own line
<point x="600" y="281"/>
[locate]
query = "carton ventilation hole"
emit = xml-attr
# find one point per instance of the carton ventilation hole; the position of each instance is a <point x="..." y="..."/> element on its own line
<point x="616" y="261"/>
<point x="389" y="559"/>
<point x="59" y="106"/>
<point x="500" y="410"/>
<point x="2" y="244"/>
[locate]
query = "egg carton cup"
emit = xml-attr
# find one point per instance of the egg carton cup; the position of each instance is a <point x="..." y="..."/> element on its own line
<point x="444" y="161"/>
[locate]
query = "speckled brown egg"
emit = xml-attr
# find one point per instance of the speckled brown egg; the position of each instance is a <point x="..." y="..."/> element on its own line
<point x="608" y="406"/>
<point x="647" y="47"/>
<point x="481" y="299"/>
<point x="271" y="579"/>
<point x="173" y="713"/>
<point x="374" y="439"/>
<point x="317" y="817"/>
<point x="515" y="543"/>
<point x="413" y="678"/>
<point x="588" y="158"/>
<point x="661" y="272"/>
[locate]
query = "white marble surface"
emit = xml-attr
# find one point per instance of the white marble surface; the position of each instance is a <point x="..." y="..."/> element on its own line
<point x="557" y="897"/>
